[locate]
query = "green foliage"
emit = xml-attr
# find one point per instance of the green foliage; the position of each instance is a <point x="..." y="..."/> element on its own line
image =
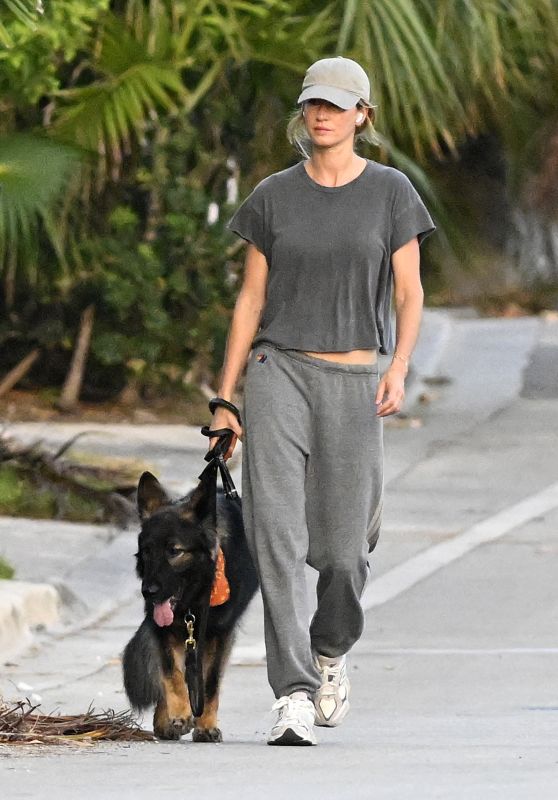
<point x="26" y="11"/>
<point x="41" y="45"/>
<point x="104" y="115"/>
<point x="155" y="97"/>
<point x="7" y="572"/>
<point x="20" y="498"/>
<point x="23" y="495"/>
<point x="33" y="171"/>
<point x="443" y="70"/>
<point x="413" y="86"/>
<point x="166" y="295"/>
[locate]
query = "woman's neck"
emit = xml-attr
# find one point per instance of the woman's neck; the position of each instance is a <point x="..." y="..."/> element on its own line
<point x="332" y="168"/>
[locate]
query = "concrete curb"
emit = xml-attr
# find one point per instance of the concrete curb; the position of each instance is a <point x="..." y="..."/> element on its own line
<point x="23" y="607"/>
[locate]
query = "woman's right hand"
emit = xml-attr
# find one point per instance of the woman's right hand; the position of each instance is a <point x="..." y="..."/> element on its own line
<point x="223" y="418"/>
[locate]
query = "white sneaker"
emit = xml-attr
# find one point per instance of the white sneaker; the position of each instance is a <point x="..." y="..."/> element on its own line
<point x="331" y="700"/>
<point x="294" y="723"/>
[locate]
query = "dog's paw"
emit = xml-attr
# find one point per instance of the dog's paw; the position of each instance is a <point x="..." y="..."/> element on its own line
<point x="207" y="735"/>
<point x="174" y="728"/>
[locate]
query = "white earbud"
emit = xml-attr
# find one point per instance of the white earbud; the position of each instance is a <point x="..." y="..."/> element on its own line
<point x="360" y="119"/>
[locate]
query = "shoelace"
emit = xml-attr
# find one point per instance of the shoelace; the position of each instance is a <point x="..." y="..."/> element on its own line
<point x="335" y="671"/>
<point x="289" y="706"/>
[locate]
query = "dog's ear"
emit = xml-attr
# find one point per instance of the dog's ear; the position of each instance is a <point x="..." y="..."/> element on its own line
<point x="201" y="504"/>
<point x="151" y="495"/>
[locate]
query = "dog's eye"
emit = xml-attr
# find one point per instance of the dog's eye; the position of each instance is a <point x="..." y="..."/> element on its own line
<point x="178" y="557"/>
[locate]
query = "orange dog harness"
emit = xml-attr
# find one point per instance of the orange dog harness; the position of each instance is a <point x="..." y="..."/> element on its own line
<point x="221" y="591"/>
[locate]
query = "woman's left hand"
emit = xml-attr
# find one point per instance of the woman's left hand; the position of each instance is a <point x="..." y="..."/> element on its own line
<point x="391" y="391"/>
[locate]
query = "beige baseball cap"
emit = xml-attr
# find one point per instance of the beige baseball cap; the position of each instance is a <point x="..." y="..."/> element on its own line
<point x="340" y="80"/>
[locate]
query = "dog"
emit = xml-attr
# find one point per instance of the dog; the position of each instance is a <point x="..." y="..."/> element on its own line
<point x="177" y="550"/>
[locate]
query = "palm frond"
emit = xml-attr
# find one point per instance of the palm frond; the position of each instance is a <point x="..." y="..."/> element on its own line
<point x="497" y="51"/>
<point x="33" y="172"/>
<point x="439" y="67"/>
<point x="22" y="724"/>
<point x="106" y="115"/>
<point x="25" y="11"/>
<point x="413" y="87"/>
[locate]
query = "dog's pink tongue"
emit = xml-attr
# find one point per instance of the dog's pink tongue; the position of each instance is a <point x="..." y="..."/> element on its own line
<point x="162" y="614"/>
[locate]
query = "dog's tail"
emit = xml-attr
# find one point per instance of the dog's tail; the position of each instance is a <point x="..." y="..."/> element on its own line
<point x="142" y="668"/>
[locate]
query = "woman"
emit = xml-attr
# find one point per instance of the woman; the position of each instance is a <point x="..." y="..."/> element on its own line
<point x="327" y="238"/>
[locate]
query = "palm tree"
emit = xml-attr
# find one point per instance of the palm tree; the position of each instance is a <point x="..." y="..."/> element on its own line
<point x="447" y="71"/>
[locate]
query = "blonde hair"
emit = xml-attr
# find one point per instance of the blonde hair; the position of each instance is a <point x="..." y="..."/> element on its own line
<point x="297" y="134"/>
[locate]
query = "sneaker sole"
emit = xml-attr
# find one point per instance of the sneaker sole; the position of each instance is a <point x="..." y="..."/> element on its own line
<point x="289" y="737"/>
<point x="337" y="718"/>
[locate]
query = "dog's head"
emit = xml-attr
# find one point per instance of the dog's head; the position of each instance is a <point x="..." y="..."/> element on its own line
<point x="177" y="547"/>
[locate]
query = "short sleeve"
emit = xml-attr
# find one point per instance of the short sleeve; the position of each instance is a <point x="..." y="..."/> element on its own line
<point x="248" y="221"/>
<point x="410" y="216"/>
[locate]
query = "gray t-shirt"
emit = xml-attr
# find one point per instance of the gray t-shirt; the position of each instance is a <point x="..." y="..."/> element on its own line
<point x="328" y="250"/>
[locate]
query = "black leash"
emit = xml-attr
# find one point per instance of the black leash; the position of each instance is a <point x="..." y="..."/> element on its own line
<point x="216" y="455"/>
<point x="195" y="644"/>
<point x="194" y="656"/>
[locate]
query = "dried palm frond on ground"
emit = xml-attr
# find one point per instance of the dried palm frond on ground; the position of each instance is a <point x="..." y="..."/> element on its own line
<point x="19" y="724"/>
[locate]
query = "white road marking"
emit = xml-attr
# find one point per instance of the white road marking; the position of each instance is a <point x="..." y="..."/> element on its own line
<point x="415" y="569"/>
<point x="406" y="575"/>
<point x="467" y="651"/>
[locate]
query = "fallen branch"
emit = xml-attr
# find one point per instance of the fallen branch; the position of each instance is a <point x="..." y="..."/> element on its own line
<point x="18" y="372"/>
<point x="106" y="487"/>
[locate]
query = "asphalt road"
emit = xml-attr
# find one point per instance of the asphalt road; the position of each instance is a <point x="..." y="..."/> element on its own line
<point x="455" y="680"/>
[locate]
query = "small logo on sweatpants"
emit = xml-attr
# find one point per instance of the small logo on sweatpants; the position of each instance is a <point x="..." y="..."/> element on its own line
<point x="261" y="357"/>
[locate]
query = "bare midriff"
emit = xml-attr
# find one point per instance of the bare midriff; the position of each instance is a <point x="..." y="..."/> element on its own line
<point x="348" y="356"/>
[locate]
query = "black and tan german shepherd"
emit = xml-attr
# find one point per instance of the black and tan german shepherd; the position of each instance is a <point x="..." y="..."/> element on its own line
<point x="177" y="548"/>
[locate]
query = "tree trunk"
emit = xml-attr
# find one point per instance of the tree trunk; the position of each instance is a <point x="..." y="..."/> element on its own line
<point x="17" y="373"/>
<point x="534" y="242"/>
<point x="69" y="397"/>
<point x="533" y="248"/>
<point x="160" y="176"/>
<point x="130" y="395"/>
<point x="10" y="277"/>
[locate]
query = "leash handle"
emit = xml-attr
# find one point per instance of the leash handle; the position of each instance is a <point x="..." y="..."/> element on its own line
<point x="215" y="457"/>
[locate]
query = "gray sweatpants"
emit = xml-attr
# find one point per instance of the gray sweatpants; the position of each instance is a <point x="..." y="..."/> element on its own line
<point x="312" y="479"/>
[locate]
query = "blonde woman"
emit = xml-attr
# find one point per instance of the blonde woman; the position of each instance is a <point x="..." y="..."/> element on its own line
<point x="328" y="239"/>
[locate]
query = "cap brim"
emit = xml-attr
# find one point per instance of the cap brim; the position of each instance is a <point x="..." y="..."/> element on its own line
<point x="339" y="97"/>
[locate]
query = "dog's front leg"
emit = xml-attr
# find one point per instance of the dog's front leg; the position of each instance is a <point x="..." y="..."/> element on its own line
<point x="173" y="714"/>
<point x="214" y="659"/>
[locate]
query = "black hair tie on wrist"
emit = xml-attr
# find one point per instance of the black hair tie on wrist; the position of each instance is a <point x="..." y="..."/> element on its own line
<point x="220" y="401"/>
